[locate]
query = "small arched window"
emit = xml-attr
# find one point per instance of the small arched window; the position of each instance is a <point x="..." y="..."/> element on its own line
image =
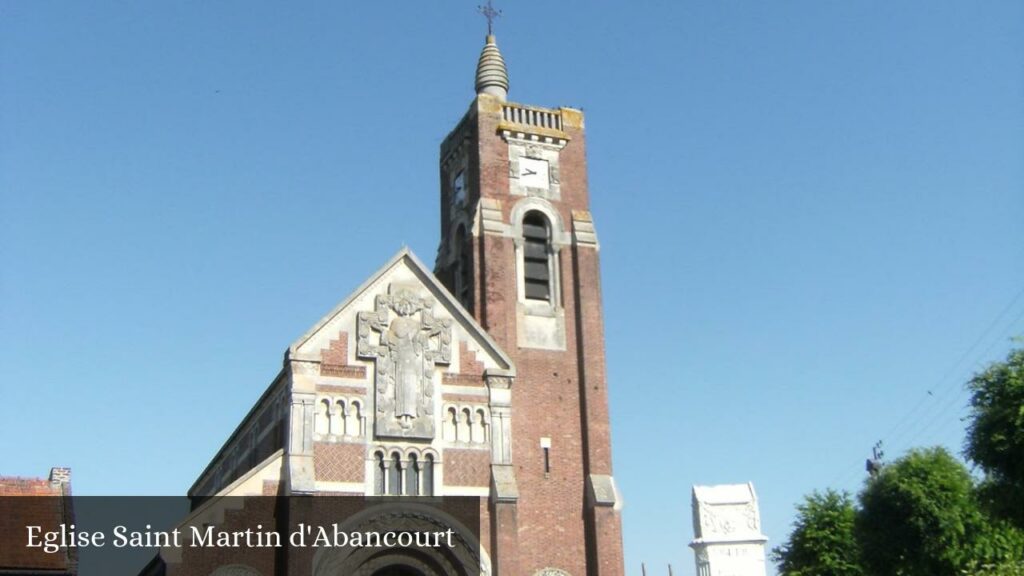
<point x="323" y="417"/>
<point x="395" y="476"/>
<point x="412" y="476"/>
<point x="380" y="469"/>
<point x="451" y="422"/>
<point x="338" y="418"/>
<point x="354" y="422"/>
<point x="428" y="475"/>
<point x="537" y="257"/>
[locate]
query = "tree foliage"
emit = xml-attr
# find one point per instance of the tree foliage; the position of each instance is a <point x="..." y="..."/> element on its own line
<point x="822" y="542"/>
<point x="1009" y="568"/>
<point x="923" y="514"/>
<point x="995" y="434"/>
<point x="920" y="517"/>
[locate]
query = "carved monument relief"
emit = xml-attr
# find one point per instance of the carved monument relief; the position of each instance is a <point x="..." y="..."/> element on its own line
<point x="407" y="342"/>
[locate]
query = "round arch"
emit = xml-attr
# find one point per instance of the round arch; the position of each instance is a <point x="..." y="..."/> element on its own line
<point x="559" y="235"/>
<point x="467" y="557"/>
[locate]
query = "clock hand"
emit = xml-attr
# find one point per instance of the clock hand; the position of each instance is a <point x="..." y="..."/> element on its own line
<point x="528" y="172"/>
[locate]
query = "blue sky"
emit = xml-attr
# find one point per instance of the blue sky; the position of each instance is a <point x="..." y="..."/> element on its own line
<point x="809" y="213"/>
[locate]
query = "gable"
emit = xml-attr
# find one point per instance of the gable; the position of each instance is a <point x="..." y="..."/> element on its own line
<point x="332" y="341"/>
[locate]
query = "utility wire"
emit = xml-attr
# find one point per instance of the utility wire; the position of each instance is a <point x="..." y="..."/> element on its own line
<point x="941" y="385"/>
<point x="911" y="422"/>
<point x="951" y="403"/>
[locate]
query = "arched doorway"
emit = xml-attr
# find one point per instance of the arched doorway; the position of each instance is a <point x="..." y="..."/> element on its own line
<point x="405" y="562"/>
<point x="464" y="557"/>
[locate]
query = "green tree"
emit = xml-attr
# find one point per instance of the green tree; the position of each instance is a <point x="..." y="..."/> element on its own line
<point x="1009" y="568"/>
<point x="995" y="435"/>
<point x="822" y="542"/>
<point x="921" y="517"/>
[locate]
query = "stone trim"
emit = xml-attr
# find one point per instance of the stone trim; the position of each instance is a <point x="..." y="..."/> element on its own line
<point x="601" y="490"/>
<point x="583" y="232"/>
<point x="490" y="219"/>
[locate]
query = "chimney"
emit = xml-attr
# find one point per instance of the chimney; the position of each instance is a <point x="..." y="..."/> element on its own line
<point x="60" y="475"/>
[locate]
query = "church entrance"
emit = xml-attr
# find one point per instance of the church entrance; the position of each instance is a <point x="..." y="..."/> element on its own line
<point x="403" y="562"/>
<point x="457" y="554"/>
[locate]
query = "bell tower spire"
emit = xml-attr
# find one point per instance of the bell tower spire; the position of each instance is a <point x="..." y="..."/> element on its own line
<point x="491" y="74"/>
<point x="520" y="253"/>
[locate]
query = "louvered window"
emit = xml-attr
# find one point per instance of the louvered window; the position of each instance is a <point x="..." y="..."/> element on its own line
<point x="536" y="257"/>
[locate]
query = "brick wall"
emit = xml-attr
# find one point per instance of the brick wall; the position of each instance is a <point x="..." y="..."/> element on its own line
<point x="339" y="462"/>
<point x="559" y="395"/>
<point x="467" y="467"/>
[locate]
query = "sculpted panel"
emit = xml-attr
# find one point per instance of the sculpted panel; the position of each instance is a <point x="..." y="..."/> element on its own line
<point x="407" y="342"/>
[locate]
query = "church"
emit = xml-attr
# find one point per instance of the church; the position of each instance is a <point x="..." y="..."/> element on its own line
<point x="483" y="377"/>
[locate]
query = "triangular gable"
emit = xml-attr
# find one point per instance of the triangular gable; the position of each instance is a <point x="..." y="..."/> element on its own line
<point x="406" y="270"/>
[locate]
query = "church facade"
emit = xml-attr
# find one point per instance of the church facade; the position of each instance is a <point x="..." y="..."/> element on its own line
<point x="483" y="377"/>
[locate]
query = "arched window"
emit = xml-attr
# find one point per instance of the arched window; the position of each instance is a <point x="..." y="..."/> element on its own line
<point x="355" y="420"/>
<point x="395" y="476"/>
<point x="323" y="417"/>
<point x="412" y="476"/>
<point x="428" y="475"/>
<point x="379" y="471"/>
<point x="480" y="426"/>
<point x="537" y="257"/>
<point x="462" y="431"/>
<point x="451" y="421"/>
<point x="338" y="419"/>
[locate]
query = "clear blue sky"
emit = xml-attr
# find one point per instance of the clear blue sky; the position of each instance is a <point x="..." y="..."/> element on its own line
<point x="810" y="216"/>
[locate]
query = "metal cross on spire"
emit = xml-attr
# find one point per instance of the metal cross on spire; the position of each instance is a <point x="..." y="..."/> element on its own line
<point x="491" y="14"/>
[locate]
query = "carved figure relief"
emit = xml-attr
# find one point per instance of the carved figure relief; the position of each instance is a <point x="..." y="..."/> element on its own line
<point x="410" y="342"/>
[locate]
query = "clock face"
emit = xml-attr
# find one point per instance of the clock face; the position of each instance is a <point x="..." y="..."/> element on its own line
<point x="533" y="173"/>
<point x="459" y="188"/>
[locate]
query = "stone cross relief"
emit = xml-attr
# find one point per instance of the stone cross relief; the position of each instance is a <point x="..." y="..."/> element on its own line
<point x="406" y="342"/>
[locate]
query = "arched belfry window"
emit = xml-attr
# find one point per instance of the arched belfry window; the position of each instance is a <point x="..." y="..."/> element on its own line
<point x="537" y="257"/>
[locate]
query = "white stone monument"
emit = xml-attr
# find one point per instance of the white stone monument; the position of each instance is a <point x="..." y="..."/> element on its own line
<point x="727" y="531"/>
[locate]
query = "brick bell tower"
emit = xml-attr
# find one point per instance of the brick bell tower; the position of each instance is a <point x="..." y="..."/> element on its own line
<point x="519" y="250"/>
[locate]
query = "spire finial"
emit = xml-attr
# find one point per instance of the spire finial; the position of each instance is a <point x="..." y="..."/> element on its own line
<point x="491" y="14"/>
<point x="491" y="74"/>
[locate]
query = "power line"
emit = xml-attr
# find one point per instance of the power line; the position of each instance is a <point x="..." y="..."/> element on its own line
<point x="964" y="392"/>
<point x="916" y="424"/>
<point x="941" y="385"/>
